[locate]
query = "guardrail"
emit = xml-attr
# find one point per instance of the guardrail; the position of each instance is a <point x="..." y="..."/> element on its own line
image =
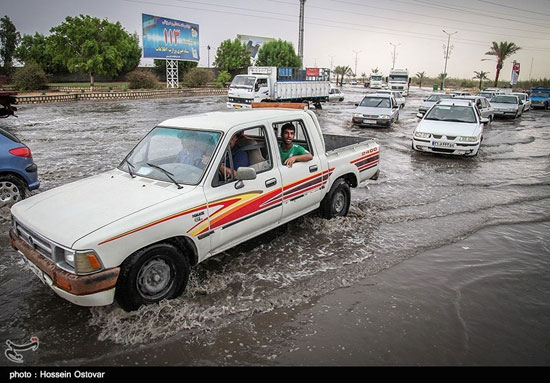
<point x="130" y="95"/>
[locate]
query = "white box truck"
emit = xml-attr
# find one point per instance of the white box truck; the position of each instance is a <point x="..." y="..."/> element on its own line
<point x="377" y="81"/>
<point x="398" y="80"/>
<point x="272" y="84"/>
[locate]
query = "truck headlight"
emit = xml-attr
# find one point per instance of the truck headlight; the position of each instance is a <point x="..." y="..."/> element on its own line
<point x="467" y="139"/>
<point x="421" y="135"/>
<point x="83" y="262"/>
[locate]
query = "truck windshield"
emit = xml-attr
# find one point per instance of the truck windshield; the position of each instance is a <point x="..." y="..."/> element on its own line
<point x="376" y="78"/>
<point x="540" y="94"/>
<point x="376" y="102"/>
<point x="172" y="154"/>
<point x="243" y="81"/>
<point x="451" y="113"/>
<point x="398" y="78"/>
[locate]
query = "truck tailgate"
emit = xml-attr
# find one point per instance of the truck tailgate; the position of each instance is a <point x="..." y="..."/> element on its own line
<point x="357" y="154"/>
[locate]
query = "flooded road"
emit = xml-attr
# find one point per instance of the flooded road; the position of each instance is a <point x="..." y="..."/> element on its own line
<point x="441" y="261"/>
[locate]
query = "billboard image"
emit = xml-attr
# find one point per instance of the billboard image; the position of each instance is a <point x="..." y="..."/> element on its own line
<point x="170" y="39"/>
<point x="254" y="43"/>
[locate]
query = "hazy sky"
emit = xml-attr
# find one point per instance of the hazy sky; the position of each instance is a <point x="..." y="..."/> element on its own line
<point x="337" y="32"/>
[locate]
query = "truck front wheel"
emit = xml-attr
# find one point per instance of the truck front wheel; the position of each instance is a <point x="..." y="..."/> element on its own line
<point x="336" y="203"/>
<point x="150" y="275"/>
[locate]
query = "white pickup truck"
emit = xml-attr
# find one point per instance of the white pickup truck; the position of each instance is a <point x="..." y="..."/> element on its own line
<point x="132" y="233"/>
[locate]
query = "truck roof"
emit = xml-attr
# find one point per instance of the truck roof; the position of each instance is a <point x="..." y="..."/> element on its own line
<point x="224" y="120"/>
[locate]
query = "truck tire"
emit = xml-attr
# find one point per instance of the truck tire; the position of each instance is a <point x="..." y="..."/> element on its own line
<point x="157" y="272"/>
<point x="336" y="203"/>
<point x="12" y="189"/>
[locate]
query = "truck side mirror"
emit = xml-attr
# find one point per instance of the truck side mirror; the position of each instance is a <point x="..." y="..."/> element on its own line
<point x="256" y="87"/>
<point x="243" y="174"/>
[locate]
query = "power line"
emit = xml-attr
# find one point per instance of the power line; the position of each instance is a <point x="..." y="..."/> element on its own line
<point x="518" y="9"/>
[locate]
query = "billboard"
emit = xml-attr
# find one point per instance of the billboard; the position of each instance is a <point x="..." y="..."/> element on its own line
<point x="254" y="43"/>
<point x="515" y="73"/>
<point x="170" y="39"/>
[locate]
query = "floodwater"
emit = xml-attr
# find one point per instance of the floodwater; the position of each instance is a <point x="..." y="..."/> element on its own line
<point x="441" y="261"/>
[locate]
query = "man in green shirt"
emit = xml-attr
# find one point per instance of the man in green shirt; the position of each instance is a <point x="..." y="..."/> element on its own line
<point x="291" y="153"/>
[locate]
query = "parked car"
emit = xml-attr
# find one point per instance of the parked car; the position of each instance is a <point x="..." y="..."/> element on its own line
<point x="507" y="106"/>
<point x="18" y="172"/>
<point x="485" y="108"/>
<point x="335" y="94"/>
<point x="450" y="127"/>
<point x="377" y="109"/>
<point x="525" y="100"/>
<point x="431" y="100"/>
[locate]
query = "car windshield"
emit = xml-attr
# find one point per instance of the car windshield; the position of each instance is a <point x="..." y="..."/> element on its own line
<point x="243" y="81"/>
<point x="485" y="94"/>
<point x="504" y="100"/>
<point x="437" y="97"/>
<point x="172" y="154"/>
<point x="454" y="113"/>
<point x="521" y="96"/>
<point x="376" y="102"/>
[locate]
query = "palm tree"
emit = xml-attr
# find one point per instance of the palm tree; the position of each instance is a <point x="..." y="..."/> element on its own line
<point x="481" y="75"/>
<point x="442" y="77"/>
<point x="342" y="71"/>
<point x="502" y="51"/>
<point x="420" y="76"/>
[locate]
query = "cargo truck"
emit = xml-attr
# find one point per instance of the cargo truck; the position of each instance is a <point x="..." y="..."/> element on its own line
<point x="272" y="84"/>
<point x="399" y="80"/>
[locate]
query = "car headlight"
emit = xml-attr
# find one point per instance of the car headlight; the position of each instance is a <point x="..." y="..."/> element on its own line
<point x="467" y="139"/>
<point x="421" y="135"/>
<point x="83" y="261"/>
<point x="383" y="116"/>
<point x="357" y="115"/>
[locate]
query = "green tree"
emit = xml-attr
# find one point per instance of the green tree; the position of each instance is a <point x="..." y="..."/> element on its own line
<point x="502" y="51"/>
<point x="92" y="46"/>
<point x="278" y="53"/>
<point x="183" y="68"/>
<point x="420" y="76"/>
<point x="37" y="49"/>
<point x="232" y="56"/>
<point x="9" y="38"/>
<point x="341" y="72"/>
<point x="30" y="77"/>
<point x="442" y="77"/>
<point x="197" y="77"/>
<point x="223" y="78"/>
<point x="481" y="75"/>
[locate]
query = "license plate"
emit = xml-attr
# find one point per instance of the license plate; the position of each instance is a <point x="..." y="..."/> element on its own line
<point x="35" y="270"/>
<point x="369" y="122"/>
<point x="442" y="144"/>
<point x="238" y="106"/>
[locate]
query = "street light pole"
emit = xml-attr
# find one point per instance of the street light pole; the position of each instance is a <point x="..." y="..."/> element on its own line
<point x="446" y="57"/>
<point x="356" y="53"/>
<point x="301" y="32"/>
<point x="394" y="54"/>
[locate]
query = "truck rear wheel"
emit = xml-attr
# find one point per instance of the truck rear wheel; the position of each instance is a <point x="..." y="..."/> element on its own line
<point x="150" y="275"/>
<point x="336" y="203"/>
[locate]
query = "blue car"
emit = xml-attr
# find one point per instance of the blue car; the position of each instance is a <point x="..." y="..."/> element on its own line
<point x="18" y="172"/>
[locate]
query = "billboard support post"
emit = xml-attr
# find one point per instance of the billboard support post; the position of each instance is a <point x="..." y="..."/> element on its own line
<point x="172" y="80"/>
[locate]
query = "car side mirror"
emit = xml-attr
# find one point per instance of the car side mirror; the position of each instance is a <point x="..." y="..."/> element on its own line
<point x="485" y="120"/>
<point x="419" y="115"/>
<point x="356" y="104"/>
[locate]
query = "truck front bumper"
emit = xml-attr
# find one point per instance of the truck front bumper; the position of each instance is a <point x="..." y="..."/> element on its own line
<point x="96" y="289"/>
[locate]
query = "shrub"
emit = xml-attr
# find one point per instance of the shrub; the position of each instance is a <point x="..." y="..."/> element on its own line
<point x="223" y="77"/>
<point x="142" y="79"/>
<point x="197" y="77"/>
<point x="30" y="77"/>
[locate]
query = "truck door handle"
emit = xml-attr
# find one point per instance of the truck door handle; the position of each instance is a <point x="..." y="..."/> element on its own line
<point x="313" y="168"/>
<point x="270" y="182"/>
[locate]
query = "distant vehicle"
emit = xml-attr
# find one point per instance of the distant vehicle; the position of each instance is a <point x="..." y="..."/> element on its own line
<point x="483" y="105"/>
<point x="376" y="109"/>
<point x="431" y="100"/>
<point x="377" y="81"/>
<point x="461" y="93"/>
<point x="398" y="79"/>
<point x="507" y="106"/>
<point x="353" y="82"/>
<point x="272" y="84"/>
<point x="525" y="100"/>
<point x="18" y="172"/>
<point x="450" y="127"/>
<point x="540" y="98"/>
<point x="335" y="94"/>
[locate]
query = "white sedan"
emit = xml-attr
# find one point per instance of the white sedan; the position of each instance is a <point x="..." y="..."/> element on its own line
<point x="450" y="127"/>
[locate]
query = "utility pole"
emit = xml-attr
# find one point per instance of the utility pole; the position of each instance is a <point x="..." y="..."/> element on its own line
<point x="208" y="48"/>
<point x="394" y="54"/>
<point x="356" y="53"/>
<point x="301" y="32"/>
<point x="446" y="57"/>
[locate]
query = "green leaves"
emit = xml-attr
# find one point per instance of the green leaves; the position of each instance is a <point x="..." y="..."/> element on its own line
<point x="278" y="53"/>
<point x="232" y="56"/>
